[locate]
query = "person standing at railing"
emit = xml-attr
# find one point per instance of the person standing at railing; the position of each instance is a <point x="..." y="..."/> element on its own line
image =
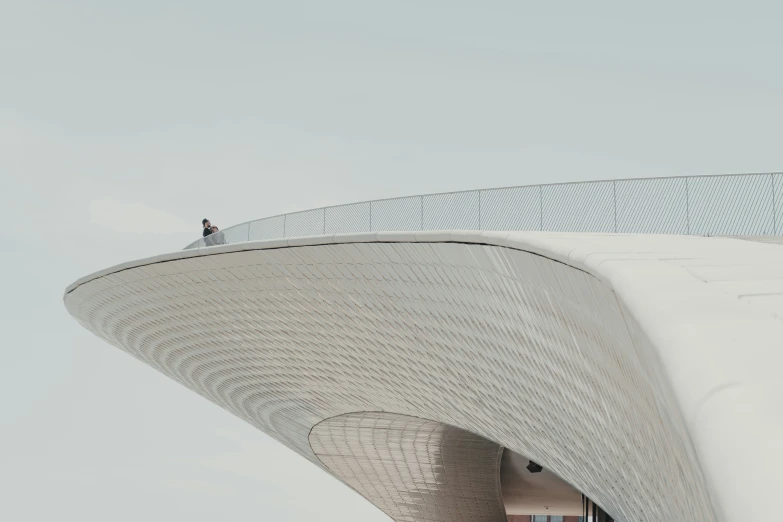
<point x="212" y="236"/>
<point x="208" y="228"/>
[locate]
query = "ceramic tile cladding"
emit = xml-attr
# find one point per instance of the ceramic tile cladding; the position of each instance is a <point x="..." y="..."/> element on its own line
<point x="513" y="347"/>
<point x="413" y="469"/>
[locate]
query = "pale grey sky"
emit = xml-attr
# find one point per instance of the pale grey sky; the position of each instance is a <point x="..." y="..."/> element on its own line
<point x="122" y="124"/>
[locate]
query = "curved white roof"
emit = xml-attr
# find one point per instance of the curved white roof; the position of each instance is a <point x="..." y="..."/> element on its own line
<point x="643" y="370"/>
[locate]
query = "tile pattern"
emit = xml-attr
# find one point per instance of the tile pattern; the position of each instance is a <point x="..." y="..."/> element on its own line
<point x="514" y="347"/>
<point x="413" y="469"/>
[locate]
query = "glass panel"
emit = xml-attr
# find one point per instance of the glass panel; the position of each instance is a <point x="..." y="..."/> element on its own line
<point x="731" y="205"/>
<point x="397" y="214"/>
<point x="516" y="208"/>
<point x="267" y="228"/>
<point x="579" y="207"/>
<point x="348" y="218"/>
<point x="236" y="234"/>
<point x="307" y="223"/>
<point x="652" y="206"/>
<point x="455" y="211"/>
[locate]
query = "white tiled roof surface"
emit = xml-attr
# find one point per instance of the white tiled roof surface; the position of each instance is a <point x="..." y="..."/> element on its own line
<point x="413" y="469"/>
<point x="644" y="370"/>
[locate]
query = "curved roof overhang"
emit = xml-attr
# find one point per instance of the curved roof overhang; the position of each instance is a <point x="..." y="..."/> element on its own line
<point x="643" y="370"/>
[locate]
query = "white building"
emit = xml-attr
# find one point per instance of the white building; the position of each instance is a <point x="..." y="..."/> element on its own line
<point x="428" y="370"/>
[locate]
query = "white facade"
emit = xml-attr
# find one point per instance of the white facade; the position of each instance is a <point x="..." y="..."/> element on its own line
<point x="642" y="370"/>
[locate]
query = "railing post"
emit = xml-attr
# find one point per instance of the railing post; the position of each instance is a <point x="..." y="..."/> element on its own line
<point x="370" y="216"/>
<point x="421" y="217"/>
<point x="540" y="208"/>
<point x="284" y="220"/>
<point x="324" y="220"/>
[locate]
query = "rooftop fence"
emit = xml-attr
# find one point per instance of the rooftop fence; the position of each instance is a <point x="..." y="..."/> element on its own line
<point x="724" y="205"/>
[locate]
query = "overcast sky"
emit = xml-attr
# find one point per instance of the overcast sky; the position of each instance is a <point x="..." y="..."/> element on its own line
<point x="123" y="124"/>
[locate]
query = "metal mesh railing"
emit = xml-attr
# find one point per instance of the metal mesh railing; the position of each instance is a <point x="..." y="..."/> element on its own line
<point x="724" y="205"/>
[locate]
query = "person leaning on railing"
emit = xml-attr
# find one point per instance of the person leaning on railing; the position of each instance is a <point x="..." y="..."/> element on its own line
<point x="208" y="228"/>
<point x="212" y="235"/>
